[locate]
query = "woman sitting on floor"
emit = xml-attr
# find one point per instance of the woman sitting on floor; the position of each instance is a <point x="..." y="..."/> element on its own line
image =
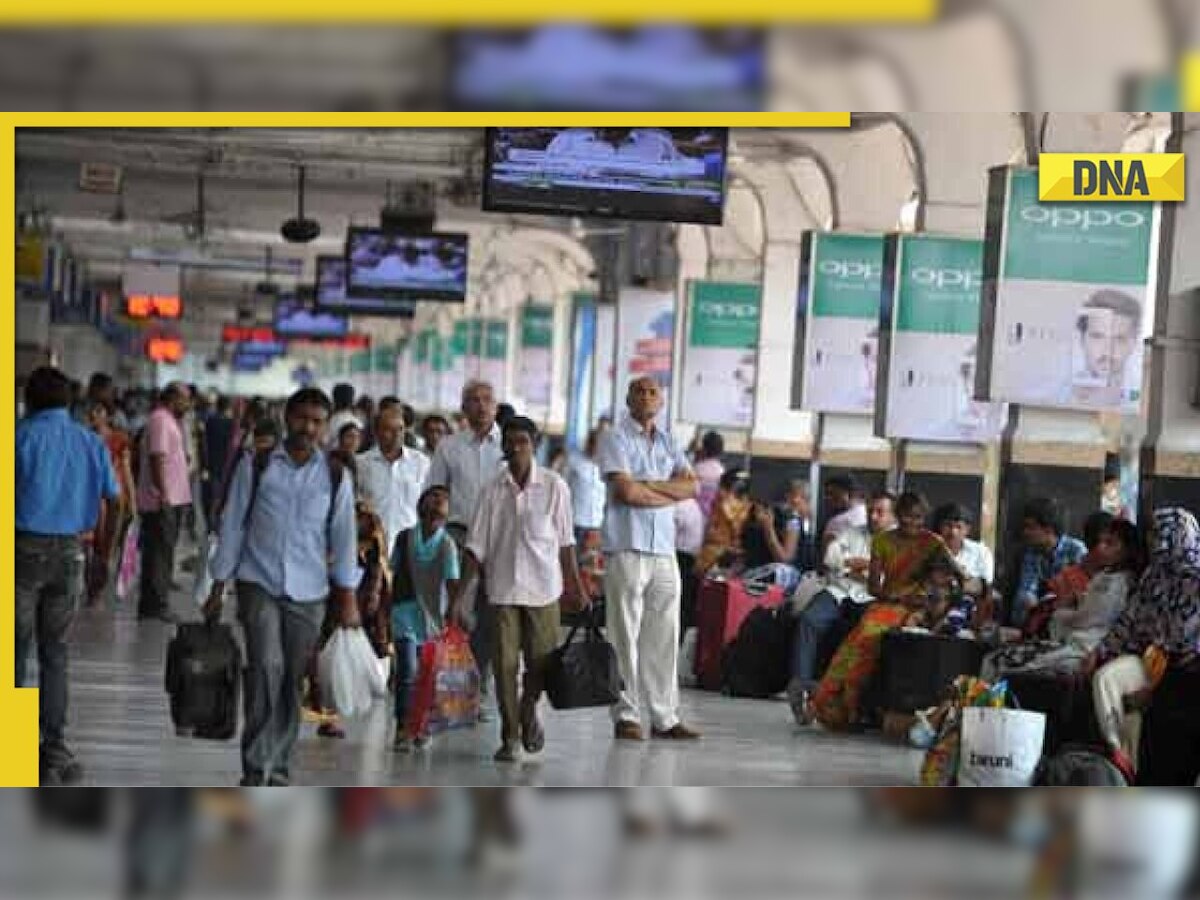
<point x="1075" y="630"/>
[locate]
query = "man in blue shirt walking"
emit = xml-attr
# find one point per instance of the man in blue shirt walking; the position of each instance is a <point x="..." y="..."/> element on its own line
<point x="64" y="475"/>
<point x="288" y="538"/>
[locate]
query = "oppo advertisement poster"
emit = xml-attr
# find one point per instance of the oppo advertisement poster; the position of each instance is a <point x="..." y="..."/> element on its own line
<point x="493" y="367"/>
<point x="645" y="339"/>
<point x="535" y="362"/>
<point x="721" y="356"/>
<point x="1068" y="312"/>
<point x="837" y="346"/>
<point x="930" y="321"/>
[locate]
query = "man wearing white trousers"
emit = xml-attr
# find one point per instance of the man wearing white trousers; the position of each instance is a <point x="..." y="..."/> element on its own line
<point x="647" y="475"/>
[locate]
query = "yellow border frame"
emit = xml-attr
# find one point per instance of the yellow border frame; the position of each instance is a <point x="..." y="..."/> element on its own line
<point x="19" y="749"/>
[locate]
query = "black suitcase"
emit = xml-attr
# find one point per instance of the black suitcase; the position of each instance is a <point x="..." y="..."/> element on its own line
<point x="583" y="673"/>
<point x="757" y="662"/>
<point x="203" y="680"/>
<point x="916" y="669"/>
<point x="1066" y="701"/>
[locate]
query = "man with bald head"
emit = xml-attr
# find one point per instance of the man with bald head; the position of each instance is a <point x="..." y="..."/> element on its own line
<point x="647" y="475"/>
<point x="164" y="495"/>
<point x="391" y="475"/>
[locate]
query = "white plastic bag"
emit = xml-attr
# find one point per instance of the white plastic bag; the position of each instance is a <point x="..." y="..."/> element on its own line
<point x="202" y="586"/>
<point x="350" y="674"/>
<point x="999" y="747"/>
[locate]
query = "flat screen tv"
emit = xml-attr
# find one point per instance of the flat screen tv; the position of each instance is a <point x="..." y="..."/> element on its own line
<point x="662" y="174"/>
<point x="331" y="294"/>
<point x="294" y="319"/>
<point x="407" y="266"/>
<point x="579" y="66"/>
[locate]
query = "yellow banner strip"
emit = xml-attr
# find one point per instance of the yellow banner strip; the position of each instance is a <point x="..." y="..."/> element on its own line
<point x="490" y="12"/>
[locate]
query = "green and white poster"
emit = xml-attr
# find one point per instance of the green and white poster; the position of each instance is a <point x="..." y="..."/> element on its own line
<point x="720" y="360"/>
<point x="930" y="323"/>
<point x="837" y="322"/>
<point x="494" y="367"/>
<point x="1069" y="298"/>
<point x="536" y="359"/>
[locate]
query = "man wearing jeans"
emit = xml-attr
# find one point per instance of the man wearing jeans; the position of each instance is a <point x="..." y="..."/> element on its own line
<point x="164" y="495"/>
<point x="832" y="614"/>
<point x="285" y="535"/>
<point x="647" y="475"/>
<point x="63" y="472"/>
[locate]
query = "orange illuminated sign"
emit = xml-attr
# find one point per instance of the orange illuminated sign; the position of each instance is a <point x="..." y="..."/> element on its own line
<point x="164" y="349"/>
<point x="153" y="306"/>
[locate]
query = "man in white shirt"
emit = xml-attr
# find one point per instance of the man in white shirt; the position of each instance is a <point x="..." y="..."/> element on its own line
<point x="465" y="463"/>
<point x="833" y="612"/>
<point x="844" y="500"/>
<point x="953" y="522"/>
<point x="391" y="475"/>
<point x="343" y="414"/>
<point x="522" y="537"/>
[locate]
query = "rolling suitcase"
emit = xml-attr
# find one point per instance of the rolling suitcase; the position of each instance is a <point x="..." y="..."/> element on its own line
<point x="203" y="679"/>
<point x="721" y="607"/>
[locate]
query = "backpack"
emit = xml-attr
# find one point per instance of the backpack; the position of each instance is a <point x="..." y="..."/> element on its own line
<point x="757" y="662"/>
<point x="1077" y="765"/>
<point x="203" y="680"/>
<point x="262" y="458"/>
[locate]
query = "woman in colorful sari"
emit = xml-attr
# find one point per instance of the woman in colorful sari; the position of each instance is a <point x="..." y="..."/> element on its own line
<point x="898" y="559"/>
<point x="730" y="513"/>
<point x="1151" y="657"/>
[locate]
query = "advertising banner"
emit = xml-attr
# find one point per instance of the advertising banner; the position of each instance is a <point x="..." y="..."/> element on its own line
<point x="721" y="354"/>
<point x="1068" y="298"/>
<point x="583" y="359"/>
<point x="424" y="393"/>
<point x="645" y="340"/>
<point x="930" y="323"/>
<point x="837" y="322"/>
<point x="606" y="364"/>
<point x="535" y="362"/>
<point x="449" y="387"/>
<point x="494" y="367"/>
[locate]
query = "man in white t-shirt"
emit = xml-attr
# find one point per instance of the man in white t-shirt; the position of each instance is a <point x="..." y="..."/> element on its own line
<point x="847" y="508"/>
<point x="953" y="522"/>
<point x="834" y="611"/>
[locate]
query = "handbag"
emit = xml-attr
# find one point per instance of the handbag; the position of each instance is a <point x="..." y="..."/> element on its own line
<point x="584" y="673"/>
<point x="446" y="693"/>
<point x="1000" y="747"/>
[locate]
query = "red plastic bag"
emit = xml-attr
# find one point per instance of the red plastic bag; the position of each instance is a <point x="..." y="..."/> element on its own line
<point x="446" y="694"/>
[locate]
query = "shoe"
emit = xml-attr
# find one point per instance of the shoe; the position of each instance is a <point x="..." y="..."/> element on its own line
<point x="279" y="779"/>
<point x="58" y="766"/>
<point x="800" y="701"/>
<point x="677" y="732"/>
<point x="506" y="754"/>
<point x="486" y="716"/>
<point x="330" y="730"/>
<point x="252" y="779"/>
<point x="402" y="743"/>
<point x="628" y="731"/>
<point x="424" y="742"/>
<point x="533" y="738"/>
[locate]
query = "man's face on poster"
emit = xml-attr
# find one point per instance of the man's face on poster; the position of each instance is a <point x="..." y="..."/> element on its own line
<point x="1108" y="339"/>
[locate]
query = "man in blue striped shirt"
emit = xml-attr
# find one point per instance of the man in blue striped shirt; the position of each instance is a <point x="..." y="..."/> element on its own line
<point x="64" y="475"/>
<point x="288" y="541"/>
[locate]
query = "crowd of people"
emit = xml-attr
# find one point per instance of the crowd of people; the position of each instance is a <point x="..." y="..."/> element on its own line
<point x="324" y="513"/>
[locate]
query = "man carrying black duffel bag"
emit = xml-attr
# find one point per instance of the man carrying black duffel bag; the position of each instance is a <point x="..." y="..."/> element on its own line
<point x="523" y="539"/>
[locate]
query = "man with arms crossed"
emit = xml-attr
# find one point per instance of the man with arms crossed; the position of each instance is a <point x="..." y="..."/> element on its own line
<point x="647" y="475"/>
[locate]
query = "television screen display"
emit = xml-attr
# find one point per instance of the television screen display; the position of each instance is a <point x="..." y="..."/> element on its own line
<point x="416" y="267"/>
<point x="331" y="294"/>
<point x="664" y="174"/>
<point x="294" y="319"/>
<point x="578" y="66"/>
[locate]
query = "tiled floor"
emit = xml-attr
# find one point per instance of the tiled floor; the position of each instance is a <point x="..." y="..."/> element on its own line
<point x="121" y="730"/>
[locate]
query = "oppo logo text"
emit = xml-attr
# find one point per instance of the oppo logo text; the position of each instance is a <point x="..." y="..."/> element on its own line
<point x="733" y="310"/>
<point x="1083" y="219"/>
<point x="841" y="268"/>
<point x="946" y="278"/>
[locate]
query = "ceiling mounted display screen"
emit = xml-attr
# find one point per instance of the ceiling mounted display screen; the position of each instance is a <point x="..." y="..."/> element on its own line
<point x="294" y="319"/>
<point x="578" y="66"/>
<point x="331" y="294"/>
<point x="406" y="266"/>
<point x="663" y="174"/>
